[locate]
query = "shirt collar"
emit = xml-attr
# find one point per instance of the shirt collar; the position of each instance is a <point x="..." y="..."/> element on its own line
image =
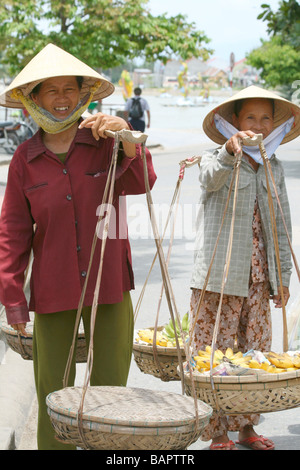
<point x="37" y="147"/>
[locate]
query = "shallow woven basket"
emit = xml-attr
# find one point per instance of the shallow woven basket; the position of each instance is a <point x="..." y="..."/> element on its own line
<point x="248" y="394"/>
<point x="121" y="418"/>
<point x="23" y="344"/>
<point x="167" y="357"/>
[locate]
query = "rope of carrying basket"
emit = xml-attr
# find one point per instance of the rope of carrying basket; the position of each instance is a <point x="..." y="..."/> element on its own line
<point x="135" y="137"/>
<point x="187" y="163"/>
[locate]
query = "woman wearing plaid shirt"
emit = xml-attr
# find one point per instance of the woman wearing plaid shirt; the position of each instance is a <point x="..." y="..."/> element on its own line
<point x="252" y="279"/>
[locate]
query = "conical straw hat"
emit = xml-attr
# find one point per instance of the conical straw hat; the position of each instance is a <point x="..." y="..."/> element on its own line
<point x="283" y="110"/>
<point x="53" y="61"/>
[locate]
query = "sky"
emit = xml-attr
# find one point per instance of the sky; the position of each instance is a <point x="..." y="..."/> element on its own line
<point x="232" y="25"/>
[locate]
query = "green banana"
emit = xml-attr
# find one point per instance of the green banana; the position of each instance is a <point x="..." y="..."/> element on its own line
<point x="185" y="322"/>
<point x="169" y="329"/>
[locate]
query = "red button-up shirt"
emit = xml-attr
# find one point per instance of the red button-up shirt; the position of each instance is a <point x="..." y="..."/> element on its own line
<point x="61" y="201"/>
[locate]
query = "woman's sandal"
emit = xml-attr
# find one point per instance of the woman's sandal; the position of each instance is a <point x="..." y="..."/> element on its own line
<point x="250" y="443"/>
<point x="223" y="446"/>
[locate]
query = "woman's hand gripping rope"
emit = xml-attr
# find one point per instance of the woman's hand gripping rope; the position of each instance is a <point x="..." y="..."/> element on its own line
<point x="234" y="144"/>
<point x="20" y="328"/>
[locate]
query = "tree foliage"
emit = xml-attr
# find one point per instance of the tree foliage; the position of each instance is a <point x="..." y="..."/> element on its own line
<point x="279" y="58"/>
<point x="279" y="63"/>
<point x="102" y="33"/>
<point x="285" y="23"/>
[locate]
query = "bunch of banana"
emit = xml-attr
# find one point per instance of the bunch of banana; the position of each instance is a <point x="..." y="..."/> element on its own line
<point x="169" y="331"/>
<point x="266" y="366"/>
<point x="148" y="334"/>
<point x="274" y="363"/>
<point x="284" y="361"/>
<point x="204" y="356"/>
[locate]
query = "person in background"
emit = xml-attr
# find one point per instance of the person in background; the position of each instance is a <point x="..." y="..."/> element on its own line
<point x="135" y="109"/>
<point x="55" y="186"/>
<point x="253" y="277"/>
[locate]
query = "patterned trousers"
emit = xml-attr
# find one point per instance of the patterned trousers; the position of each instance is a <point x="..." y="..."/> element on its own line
<point x="246" y="320"/>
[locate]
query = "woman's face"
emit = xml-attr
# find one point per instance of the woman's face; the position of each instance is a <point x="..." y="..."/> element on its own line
<point x="58" y="95"/>
<point x="256" y="115"/>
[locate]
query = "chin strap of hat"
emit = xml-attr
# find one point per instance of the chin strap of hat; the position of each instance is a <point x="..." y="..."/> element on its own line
<point x="46" y="120"/>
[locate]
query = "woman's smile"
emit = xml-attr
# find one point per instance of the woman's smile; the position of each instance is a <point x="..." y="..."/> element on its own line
<point x="61" y="111"/>
<point x="59" y="96"/>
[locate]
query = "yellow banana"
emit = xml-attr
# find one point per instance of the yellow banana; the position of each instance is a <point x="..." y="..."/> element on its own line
<point x="275" y="370"/>
<point x="286" y="363"/>
<point x="203" y="353"/>
<point x="274" y="360"/>
<point x="238" y="355"/>
<point x="146" y="335"/>
<point x="203" y="363"/>
<point x="200" y="358"/>
<point x="273" y="355"/>
<point x="219" y="355"/>
<point x="229" y="353"/>
<point x="162" y="342"/>
<point x="276" y="363"/>
<point x="286" y="356"/>
<point x="240" y="361"/>
<point x="254" y="364"/>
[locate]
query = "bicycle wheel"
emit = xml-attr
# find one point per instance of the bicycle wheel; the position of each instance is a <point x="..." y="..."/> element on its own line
<point x="12" y="142"/>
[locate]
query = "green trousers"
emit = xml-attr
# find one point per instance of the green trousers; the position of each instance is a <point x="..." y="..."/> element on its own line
<point x="52" y="339"/>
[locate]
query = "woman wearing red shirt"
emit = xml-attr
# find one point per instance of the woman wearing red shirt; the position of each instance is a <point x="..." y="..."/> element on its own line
<point x="55" y="185"/>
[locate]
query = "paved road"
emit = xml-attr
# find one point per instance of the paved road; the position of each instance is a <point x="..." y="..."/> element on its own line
<point x="282" y="427"/>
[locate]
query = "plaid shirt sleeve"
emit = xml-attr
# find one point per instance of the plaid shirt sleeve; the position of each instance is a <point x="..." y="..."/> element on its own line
<point x="216" y="167"/>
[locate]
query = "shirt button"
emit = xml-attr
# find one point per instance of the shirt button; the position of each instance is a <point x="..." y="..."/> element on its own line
<point x="65" y="171"/>
<point x="83" y="273"/>
<point x="78" y="248"/>
<point x="69" y="197"/>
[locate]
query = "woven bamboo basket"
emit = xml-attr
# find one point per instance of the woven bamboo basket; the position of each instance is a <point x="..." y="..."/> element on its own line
<point x="23" y="344"/>
<point x="121" y="418"/>
<point x="167" y="357"/>
<point x="248" y="394"/>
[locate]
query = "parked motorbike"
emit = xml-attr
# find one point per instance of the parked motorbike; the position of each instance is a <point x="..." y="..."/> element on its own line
<point x="13" y="134"/>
